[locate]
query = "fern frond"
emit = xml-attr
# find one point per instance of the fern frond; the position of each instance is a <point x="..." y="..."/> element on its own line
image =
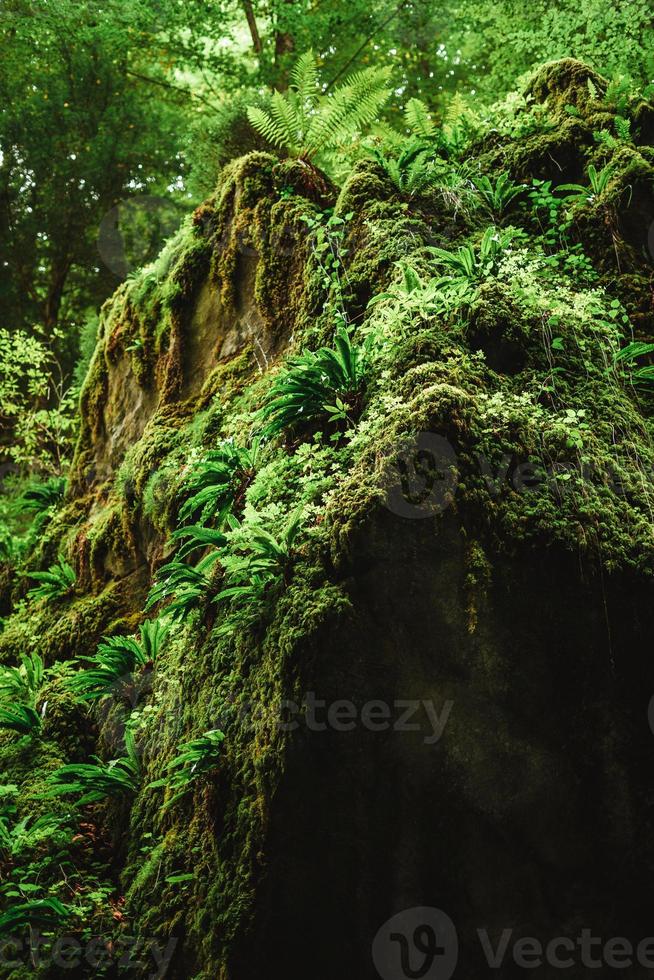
<point x="417" y="118"/>
<point x="304" y="78"/>
<point x="266" y="126"/>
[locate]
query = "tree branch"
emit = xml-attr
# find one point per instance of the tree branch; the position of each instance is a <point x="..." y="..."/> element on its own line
<point x="176" y="88"/>
<point x="252" y="24"/>
<point x="364" y="44"/>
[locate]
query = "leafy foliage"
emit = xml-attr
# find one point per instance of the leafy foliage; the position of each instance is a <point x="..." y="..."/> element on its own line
<point x="599" y="181"/>
<point x="57" y="582"/>
<point x="218" y="480"/>
<point x="414" y="169"/>
<point x="498" y="195"/>
<point x="326" y="385"/>
<point x="35" y="406"/>
<point x="305" y="122"/>
<point x="22" y="683"/>
<point x="19" y="687"/>
<point x="92" y="782"/>
<point x="187" y="585"/>
<point x="44" y="913"/>
<point x="39" y="497"/>
<point x="194" y="759"/>
<point x="255" y="557"/>
<point x="630" y="355"/>
<point x="117" y="660"/>
<point x="20" y="718"/>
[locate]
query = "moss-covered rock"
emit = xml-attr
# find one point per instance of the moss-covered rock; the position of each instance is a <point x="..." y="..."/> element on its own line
<point x="480" y="537"/>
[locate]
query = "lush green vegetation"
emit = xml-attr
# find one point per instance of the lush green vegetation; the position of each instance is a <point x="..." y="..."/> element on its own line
<point x="446" y="241"/>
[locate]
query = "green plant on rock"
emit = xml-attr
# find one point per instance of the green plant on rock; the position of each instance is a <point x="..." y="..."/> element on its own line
<point x="19" y="688"/>
<point x="420" y="122"/>
<point x="410" y="300"/>
<point x="306" y="122"/>
<point x="548" y="212"/>
<point x="45" y="913"/>
<point x="327" y="235"/>
<point x="197" y="536"/>
<point x="628" y="358"/>
<point x="58" y="582"/>
<point x="473" y="264"/>
<point x="39" y="497"/>
<point x="22" y="683"/>
<point x="599" y="181"/>
<point x="186" y="585"/>
<point x="326" y="385"/>
<point x="118" y="659"/>
<point x="219" y="480"/>
<point x="255" y="557"/>
<point x="194" y="759"/>
<point x="414" y="168"/>
<point x="28" y="833"/>
<point x="20" y="718"/>
<point x="497" y="196"/>
<point x="94" y="781"/>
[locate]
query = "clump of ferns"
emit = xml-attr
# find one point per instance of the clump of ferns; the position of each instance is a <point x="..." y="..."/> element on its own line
<point x="92" y="782"/>
<point x="57" y="582"/>
<point x="122" y="664"/>
<point x="20" y="687"/>
<point x="219" y="481"/>
<point x="195" y="759"/>
<point x="256" y="557"/>
<point x="318" y="389"/>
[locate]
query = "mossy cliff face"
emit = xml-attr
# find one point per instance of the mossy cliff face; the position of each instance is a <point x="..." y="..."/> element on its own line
<point x="502" y="597"/>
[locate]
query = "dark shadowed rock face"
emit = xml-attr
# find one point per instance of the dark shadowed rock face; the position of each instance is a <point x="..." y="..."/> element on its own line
<point x="529" y="813"/>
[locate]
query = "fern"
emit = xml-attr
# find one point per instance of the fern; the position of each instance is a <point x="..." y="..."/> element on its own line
<point x="45" y="913"/>
<point x="22" y="683"/>
<point x="20" y="718"/>
<point x="38" y="498"/>
<point x="598" y="184"/>
<point x="629" y="355"/>
<point x="112" y="670"/>
<point x="186" y="585"/>
<point x="29" y="832"/>
<point x="306" y="122"/>
<point x="194" y="759"/>
<point x="496" y="196"/>
<point x="323" y="385"/>
<point x="255" y="558"/>
<point x="93" y="782"/>
<point x="57" y="582"/>
<point x="218" y="480"/>
<point x="413" y="169"/>
<point x="417" y="118"/>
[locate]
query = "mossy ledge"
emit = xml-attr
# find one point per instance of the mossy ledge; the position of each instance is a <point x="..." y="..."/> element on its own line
<point x="523" y="578"/>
